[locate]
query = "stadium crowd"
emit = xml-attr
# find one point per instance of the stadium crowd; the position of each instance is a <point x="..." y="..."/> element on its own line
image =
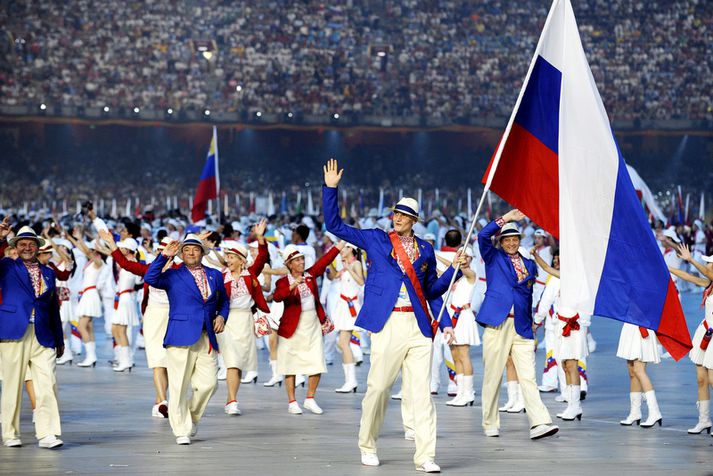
<point x="452" y="59"/>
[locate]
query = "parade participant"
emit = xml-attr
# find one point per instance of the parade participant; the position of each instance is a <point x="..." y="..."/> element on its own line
<point x="402" y="277"/>
<point x="299" y="238"/>
<point x="155" y="322"/>
<point x="67" y="307"/>
<point x="545" y="253"/>
<point x="670" y="242"/>
<point x="548" y="317"/>
<point x="506" y="314"/>
<point x="345" y="310"/>
<point x="700" y="353"/>
<point x="197" y="306"/>
<point x="125" y="313"/>
<point x="30" y="338"/>
<point x="639" y="346"/>
<point x="466" y="332"/>
<point x="300" y="349"/>
<point x="237" y="341"/>
<point x="90" y="306"/>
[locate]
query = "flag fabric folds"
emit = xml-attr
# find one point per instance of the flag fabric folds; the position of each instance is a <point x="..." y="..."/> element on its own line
<point x="559" y="163"/>
<point x="209" y="183"/>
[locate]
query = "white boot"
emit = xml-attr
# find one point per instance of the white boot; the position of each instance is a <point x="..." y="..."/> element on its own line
<point x="519" y="404"/>
<point x="115" y="360"/>
<point x="574" y="406"/>
<point x="90" y="359"/>
<point x="350" y="381"/>
<point x="124" y="359"/>
<point x="459" y="390"/>
<point x="512" y="396"/>
<point x="566" y="397"/>
<point x="704" y="418"/>
<point x="466" y="395"/>
<point x="276" y="378"/>
<point x="67" y="357"/>
<point x="249" y="377"/>
<point x="635" y="410"/>
<point x="654" y="415"/>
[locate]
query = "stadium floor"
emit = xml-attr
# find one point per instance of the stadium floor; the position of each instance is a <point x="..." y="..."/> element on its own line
<point x="107" y="428"/>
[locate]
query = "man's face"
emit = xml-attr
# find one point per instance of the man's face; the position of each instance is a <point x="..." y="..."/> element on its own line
<point x="510" y="244"/>
<point x="296" y="238"/>
<point x="192" y="255"/>
<point x="27" y="249"/>
<point x="297" y="265"/>
<point x="403" y="223"/>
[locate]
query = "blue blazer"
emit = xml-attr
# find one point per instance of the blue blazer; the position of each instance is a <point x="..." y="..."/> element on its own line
<point x="188" y="314"/>
<point x="18" y="302"/>
<point x="504" y="291"/>
<point x="384" y="278"/>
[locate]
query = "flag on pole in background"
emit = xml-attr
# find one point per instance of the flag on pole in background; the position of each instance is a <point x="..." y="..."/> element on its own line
<point x="209" y="183"/>
<point x="559" y="163"/>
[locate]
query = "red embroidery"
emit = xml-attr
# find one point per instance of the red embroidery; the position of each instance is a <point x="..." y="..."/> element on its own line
<point x="201" y="281"/>
<point x="35" y="276"/>
<point x="520" y="268"/>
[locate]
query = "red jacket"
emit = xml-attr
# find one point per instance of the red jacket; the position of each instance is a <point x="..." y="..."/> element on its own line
<point x="253" y="284"/>
<point x="293" y="302"/>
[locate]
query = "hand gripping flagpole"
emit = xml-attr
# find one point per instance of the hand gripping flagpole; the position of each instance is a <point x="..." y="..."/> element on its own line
<point x="499" y="152"/>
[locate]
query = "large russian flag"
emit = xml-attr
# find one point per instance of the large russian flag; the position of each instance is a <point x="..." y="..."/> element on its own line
<point x="209" y="184"/>
<point x="559" y="163"/>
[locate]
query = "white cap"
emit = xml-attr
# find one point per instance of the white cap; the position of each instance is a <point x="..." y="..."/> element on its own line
<point x="670" y="232"/>
<point x="234" y="247"/>
<point x="429" y="237"/>
<point x="290" y="252"/>
<point x="698" y="223"/>
<point x="408" y="206"/>
<point x="62" y="242"/>
<point x="540" y="232"/>
<point x="707" y="259"/>
<point x="128" y="244"/>
<point x="468" y="250"/>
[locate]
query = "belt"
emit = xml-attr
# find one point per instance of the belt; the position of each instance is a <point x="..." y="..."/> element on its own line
<point x="118" y="295"/>
<point x="86" y="289"/>
<point x="540" y="282"/>
<point x="511" y="316"/>
<point x="460" y="308"/>
<point x="350" y="304"/>
<point x="570" y="325"/>
<point x="403" y="309"/>
<point x="644" y="332"/>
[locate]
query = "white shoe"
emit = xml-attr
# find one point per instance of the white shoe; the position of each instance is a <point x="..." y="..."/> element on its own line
<point x="542" y="431"/>
<point x="294" y="408"/>
<point x="66" y="358"/>
<point x="13" y="443"/>
<point x="410" y="435"/>
<point x="274" y="380"/>
<point x="249" y="377"/>
<point x="183" y="440"/>
<point x="50" y="442"/>
<point x="232" y="408"/>
<point x="396" y="396"/>
<point x="429" y="467"/>
<point x="546" y="388"/>
<point x="369" y="459"/>
<point x="348" y="387"/>
<point x="311" y="405"/>
<point x="350" y="381"/>
<point x="492" y="432"/>
<point x="704" y="418"/>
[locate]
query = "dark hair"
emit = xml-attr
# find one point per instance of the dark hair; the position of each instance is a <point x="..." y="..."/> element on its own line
<point x="133" y="229"/>
<point x="302" y="231"/>
<point x="215" y="238"/>
<point x="162" y="233"/>
<point x="453" y="238"/>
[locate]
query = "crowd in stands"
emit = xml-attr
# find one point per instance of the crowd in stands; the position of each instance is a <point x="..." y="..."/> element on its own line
<point x="449" y="58"/>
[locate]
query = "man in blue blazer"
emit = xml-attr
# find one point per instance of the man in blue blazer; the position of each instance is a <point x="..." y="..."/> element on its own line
<point x="402" y="278"/>
<point x="506" y="313"/>
<point x="198" y="307"/>
<point x="30" y="337"/>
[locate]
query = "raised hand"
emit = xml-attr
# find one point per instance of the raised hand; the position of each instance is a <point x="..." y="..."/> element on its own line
<point x="108" y="238"/>
<point x="4" y="228"/>
<point x="259" y="229"/>
<point x="514" y="215"/>
<point x="332" y="174"/>
<point x="684" y="252"/>
<point x="171" y="249"/>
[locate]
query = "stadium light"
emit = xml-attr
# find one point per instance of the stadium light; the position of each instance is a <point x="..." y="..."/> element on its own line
<point x="258" y="114"/>
<point x="106" y="109"/>
<point x="43" y="106"/>
<point x="336" y="116"/>
<point x="206" y="112"/>
<point x="169" y="111"/>
<point x="381" y="54"/>
<point x="136" y="110"/>
<point x="290" y="115"/>
<point x="238" y="88"/>
<point x="208" y="55"/>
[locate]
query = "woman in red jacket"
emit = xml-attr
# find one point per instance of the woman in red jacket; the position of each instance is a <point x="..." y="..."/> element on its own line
<point x="237" y="343"/>
<point x="300" y="349"/>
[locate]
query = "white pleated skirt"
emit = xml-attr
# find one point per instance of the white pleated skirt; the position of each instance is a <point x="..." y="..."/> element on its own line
<point x="237" y="342"/>
<point x="342" y="318"/>
<point x="155" y="325"/>
<point x="466" y="329"/>
<point x="90" y="304"/>
<point x="303" y="353"/>
<point x="632" y="346"/>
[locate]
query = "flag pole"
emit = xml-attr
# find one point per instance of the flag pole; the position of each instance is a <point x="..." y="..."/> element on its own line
<point x="499" y="150"/>
<point x="217" y="174"/>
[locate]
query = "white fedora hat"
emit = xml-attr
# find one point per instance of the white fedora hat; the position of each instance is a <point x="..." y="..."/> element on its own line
<point x="509" y="229"/>
<point x="27" y="233"/>
<point x="193" y="239"/>
<point x="407" y="206"/>
<point x="234" y="247"/>
<point x="291" y="252"/>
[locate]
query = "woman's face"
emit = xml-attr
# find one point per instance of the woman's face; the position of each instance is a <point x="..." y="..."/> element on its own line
<point x="297" y="265"/>
<point x="235" y="262"/>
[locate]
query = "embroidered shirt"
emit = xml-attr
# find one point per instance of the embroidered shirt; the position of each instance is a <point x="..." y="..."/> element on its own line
<point x="520" y="268"/>
<point x="201" y="280"/>
<point x="35" y="276"/>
